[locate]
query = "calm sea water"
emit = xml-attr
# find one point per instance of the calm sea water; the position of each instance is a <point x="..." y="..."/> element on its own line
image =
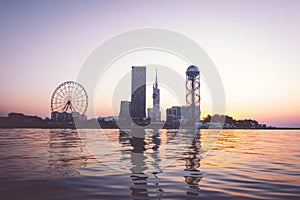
<point x="165" y="164"/>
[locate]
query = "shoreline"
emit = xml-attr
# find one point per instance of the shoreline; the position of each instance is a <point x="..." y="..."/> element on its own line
<point x="74" y="128"/>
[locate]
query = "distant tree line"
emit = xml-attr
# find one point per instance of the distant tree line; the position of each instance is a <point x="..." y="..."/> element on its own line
<point x="233" y="123"/>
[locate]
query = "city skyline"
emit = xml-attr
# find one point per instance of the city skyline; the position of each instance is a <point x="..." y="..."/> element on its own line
<point x="131" y="99"/>
<point x="255" y="52"/>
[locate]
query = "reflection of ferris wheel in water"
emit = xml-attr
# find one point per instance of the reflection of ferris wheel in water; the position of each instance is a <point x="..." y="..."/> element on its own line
<point x="69" y="97"/>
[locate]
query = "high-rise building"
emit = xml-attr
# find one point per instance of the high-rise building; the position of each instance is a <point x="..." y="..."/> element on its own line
<point x="154" y="112"/>
<point x="138" y="92"/>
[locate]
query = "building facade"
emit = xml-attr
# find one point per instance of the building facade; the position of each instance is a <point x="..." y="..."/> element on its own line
<point x="173" y="114"/>
<point x="138" y="92"/>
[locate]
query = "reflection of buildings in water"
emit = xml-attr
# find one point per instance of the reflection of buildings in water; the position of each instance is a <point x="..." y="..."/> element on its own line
<point x="155" y="152"/>
<point x="156" y="164"/>
<point x="192" y="164"/>
<point x="167" y="136"/>
<point x="137" y="155"/>
<point x="139" y="178"/>
<point x="66" y="153"/>
<point x="123" y="138"/>
<point x="142" y="182"/>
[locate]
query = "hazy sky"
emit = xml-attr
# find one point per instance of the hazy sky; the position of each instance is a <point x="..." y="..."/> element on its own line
<point x="255" y="46"/>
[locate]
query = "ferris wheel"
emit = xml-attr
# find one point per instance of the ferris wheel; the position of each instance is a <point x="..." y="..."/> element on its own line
<point x="69" y="97"/>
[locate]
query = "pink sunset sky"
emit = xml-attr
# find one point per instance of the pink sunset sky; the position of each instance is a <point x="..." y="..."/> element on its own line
<point x="254" y="45"/>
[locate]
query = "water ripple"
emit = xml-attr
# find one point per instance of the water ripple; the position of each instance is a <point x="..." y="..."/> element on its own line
<point x="166" y="164"/>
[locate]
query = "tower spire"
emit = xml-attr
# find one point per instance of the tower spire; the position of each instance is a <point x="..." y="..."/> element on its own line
<point x="156" y="84"/>
<point x="155" y="111"/>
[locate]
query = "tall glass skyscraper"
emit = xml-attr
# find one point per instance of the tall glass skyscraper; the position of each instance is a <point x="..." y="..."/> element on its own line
<point x="138" y="92"/>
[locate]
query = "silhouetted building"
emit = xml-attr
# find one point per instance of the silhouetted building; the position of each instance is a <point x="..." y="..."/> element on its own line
<point x="173" y="114"/>
<point x="138" y="93"/>
<point x="109" y="118"/>
<point x="64" y="117"/>
<point x="22" y="121"/>
<point x="125" y="109"/>
<point x="189" y="114"/>
<point x="78" y="116"/>
<point x="154" y="112"/>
